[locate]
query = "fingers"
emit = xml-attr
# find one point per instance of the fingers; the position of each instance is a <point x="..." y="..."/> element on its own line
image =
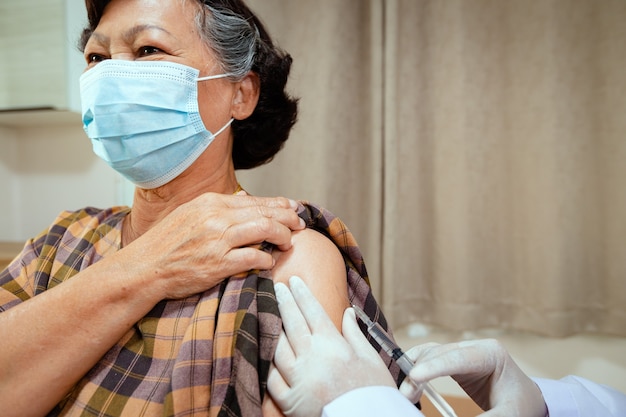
<point x="316" y="317"/>
<point x="245" y="259"/>
<point x="436" y="361"/>
<point x="248" y="227"/>
<point x="279" y="209"/>
<point x="253" y="220"/>
<point x="303" y="316"/>
<point x="242" y="220"/>
<point x="277" y="386"/>
<point x="353" y="335"/>
<point x="284" y="359"/>
<point x="410" y="390"/>
<point x="243" y="199"/>
<point x="295" y="326"/>
<point x="463" y="358"/>
<point x="246" y="219"/>
<point x="418" y="352"/>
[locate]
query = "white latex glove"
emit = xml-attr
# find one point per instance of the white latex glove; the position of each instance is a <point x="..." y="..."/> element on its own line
<point x="485" y="370"/>
<point x="314" y="363"/>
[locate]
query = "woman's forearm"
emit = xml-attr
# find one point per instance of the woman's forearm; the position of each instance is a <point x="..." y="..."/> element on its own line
<point x="50" y="341"/>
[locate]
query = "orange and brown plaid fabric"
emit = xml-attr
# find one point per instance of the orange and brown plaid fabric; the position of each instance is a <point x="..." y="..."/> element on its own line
<point x="205" y="355"/>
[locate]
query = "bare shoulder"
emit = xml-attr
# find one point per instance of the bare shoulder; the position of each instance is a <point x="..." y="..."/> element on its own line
<point x="315" y="258"/>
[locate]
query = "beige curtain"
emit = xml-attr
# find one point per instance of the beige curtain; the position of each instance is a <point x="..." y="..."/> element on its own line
<point x="476" y="149"/>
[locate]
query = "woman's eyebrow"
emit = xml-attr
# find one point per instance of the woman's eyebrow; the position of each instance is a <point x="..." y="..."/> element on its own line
<point x="100" y="38"/>
<point x="135" y="30"/>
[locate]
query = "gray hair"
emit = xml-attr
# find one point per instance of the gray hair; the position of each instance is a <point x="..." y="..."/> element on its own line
<point x="232" y="38"/>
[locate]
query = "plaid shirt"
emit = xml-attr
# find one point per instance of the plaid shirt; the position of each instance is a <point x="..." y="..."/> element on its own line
<point x="208" y="354"/>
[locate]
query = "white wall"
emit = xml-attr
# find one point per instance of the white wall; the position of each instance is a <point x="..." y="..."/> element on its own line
<point x="45" y="170"/>
<point x="8" y="164"/>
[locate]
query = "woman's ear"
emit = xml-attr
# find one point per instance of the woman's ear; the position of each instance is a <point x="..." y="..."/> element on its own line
<point x="246" y="96"/>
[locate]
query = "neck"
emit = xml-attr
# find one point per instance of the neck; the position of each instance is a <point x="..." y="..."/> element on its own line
<point x="151" y="206"/>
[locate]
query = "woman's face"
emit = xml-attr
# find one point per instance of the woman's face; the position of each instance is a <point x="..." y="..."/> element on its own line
<point x="157" y="30"/>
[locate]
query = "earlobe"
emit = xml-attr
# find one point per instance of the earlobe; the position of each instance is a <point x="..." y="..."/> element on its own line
<point x="246" y="97"/>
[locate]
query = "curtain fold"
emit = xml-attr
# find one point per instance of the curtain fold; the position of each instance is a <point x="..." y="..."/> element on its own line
<point x="475" y="148"/>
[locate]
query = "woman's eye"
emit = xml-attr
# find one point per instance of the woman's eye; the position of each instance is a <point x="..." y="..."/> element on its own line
<point x="148" y="50"/>
<point x="94" y="58"/>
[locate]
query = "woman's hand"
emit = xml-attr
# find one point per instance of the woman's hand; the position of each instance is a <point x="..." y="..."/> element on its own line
<point x="209" y="239"/>
<point x="485" y="370"/>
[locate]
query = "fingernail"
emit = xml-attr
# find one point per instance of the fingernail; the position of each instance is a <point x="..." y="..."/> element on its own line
<point x="296" y="284"/>
<point x="295" y="278"/>
<point x="293" y="204"/>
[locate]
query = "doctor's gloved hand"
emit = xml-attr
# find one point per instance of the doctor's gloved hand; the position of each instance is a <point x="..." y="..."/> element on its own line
<point x="314" y="362"/>
<point x="485" y="371"/>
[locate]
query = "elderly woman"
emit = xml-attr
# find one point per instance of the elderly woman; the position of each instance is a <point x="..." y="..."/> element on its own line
<point x="168" y="308"/>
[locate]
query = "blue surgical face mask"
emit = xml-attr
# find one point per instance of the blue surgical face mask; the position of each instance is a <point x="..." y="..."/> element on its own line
<point x="143" y="119"/>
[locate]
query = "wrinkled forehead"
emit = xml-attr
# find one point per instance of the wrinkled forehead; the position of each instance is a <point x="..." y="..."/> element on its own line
<point x="95" y="8"/>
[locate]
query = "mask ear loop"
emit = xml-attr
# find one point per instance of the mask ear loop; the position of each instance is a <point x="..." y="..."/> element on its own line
<point x="228" y="123"/>
<point x="213" y="77"/>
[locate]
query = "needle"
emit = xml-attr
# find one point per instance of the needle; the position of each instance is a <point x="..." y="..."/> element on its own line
<point x="403" y="361"/>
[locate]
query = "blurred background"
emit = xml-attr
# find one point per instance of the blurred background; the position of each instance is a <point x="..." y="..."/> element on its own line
<point x="475" y="148"/>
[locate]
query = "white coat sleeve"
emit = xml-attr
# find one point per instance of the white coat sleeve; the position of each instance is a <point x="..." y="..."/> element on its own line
<point x="373" y="401"/>
<point x="573" y="396"/>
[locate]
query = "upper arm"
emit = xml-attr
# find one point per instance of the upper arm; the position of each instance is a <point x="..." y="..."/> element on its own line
<point x="315" y="258"/>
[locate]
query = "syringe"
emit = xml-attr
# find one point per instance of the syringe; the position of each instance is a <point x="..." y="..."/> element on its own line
<point x="403" y="361"/>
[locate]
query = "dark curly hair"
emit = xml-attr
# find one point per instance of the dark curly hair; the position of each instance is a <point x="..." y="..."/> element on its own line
<point x="241" y="44"/>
